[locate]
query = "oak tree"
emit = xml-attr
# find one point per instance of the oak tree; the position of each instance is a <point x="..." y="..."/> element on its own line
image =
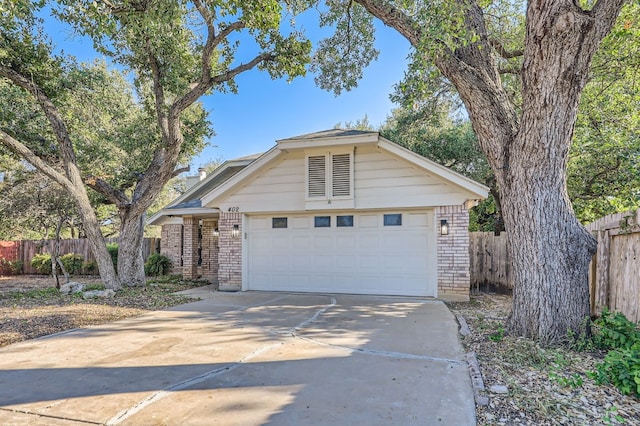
<point x="525" y="135"/>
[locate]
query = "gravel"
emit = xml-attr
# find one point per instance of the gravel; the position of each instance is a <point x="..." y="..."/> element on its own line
<point x="543" y="386"/>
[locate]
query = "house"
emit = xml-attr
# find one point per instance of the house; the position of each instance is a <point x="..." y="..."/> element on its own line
<point x="337" y="211"/>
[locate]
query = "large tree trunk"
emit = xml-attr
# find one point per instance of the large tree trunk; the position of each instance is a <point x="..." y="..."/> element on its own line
<point x="528" y="151"/>
<point x="96" y="240"/>
<point x="130" y="259"/>
<point x="550" y="253"/>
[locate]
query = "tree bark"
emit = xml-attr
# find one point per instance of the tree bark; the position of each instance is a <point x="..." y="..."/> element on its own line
<point x="528" y="152"/>
<point x="130" y="258"/>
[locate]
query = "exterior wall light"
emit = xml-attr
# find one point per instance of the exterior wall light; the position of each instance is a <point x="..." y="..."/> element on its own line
<point x="235" y="232"/>
<point x="216" y="233"/>
<point x="444" y="227"/>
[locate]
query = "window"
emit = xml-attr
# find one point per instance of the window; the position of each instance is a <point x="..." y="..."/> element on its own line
<point x="279" y="222"/>
<point x="393" y="219"/>
<point x="341" y="175"/>
<point x="317" y="176"/>
<point x="344" y="221"/>
<point x="322" y="221"/>
<point x="329" y="176"/>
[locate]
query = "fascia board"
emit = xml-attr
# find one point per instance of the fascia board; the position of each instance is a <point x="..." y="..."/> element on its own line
<point x="243" y="174"/>
<point x="470" y="185"/>
<point x="157" y="218"/>
<point x="293" y="144"/>
<point x="209" y="178"/>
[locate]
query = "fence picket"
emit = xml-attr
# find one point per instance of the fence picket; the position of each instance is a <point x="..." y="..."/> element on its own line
<point x="29" y="248"/>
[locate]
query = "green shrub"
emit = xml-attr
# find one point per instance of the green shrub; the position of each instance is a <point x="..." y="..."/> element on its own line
<point x="157" y="264"/>
<point x="41" y="263"/>
<point x="72" y="262"/>
<point x="112" y="248"/>
<point x="90" y="267"/>
<point x="613" y="330"/>
<point x="10" y="267"/>
<point x="621" y="367"/>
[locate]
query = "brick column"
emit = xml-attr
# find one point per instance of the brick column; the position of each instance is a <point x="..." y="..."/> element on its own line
<point x="171" y="245"/>
<point x="453" y="253"/>
<point x="209" y="250"/>
<point x="230" y="252"/>
<point x="190" y="251"/>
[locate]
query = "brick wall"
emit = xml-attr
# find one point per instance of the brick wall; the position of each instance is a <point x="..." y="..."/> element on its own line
<point x="230" y="251"/>
<point x="209" y="250"/>
<point x="453" y="253"/>
<point x="191" y="227"/>
<point x="171" y="245"/>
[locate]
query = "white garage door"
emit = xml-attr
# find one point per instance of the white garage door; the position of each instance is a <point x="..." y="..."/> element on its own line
<point x="389" y="253"/>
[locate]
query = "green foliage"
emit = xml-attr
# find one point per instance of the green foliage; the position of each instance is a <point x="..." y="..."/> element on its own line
<point x="10" y="267"/>
<point x="498" y="336"/>
<point x="621" y="365"/>
<point x="613" y="331"/>
<point x="90" y="267"/>
<point x="157" y="264"/>
<point x="112" y="248"/>
<point x="41" y="263"/>
<point x="557" y="376"/>
<point x="72" y="262"/>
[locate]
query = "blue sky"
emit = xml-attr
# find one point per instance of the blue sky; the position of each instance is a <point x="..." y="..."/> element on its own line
<point x="265" y="110"/>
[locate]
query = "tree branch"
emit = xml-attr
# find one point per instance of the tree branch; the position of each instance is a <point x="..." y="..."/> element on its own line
<point x="57" y="123"/>
<point x="506" y="54"/>
<point x="23" y="151"/>
<point x="176" y="172"/>
<point x="114" y="196"/>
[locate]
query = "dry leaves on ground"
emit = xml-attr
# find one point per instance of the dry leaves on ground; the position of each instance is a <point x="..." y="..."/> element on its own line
<point x="545" y="386"/>
<point x="30" y="307"/>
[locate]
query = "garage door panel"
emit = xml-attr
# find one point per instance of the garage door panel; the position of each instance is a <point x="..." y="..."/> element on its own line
<point x="368" y="258"/>
<point x="301" y="242"/>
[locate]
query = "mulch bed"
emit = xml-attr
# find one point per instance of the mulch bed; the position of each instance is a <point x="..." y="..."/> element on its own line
<point x="31" y="307"/>
<point x="545" y="386"/>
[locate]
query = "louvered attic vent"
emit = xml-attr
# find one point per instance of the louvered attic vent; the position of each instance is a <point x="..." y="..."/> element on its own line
<point x="341" y="174"/>
<point x="317" y="176"/>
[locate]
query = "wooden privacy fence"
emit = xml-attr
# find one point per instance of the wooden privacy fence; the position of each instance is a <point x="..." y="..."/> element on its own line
<point x="489" y="265"/>
<point x="614" y="275"/>
<point x="8" y="253"/>
<point x="25" y="250"/>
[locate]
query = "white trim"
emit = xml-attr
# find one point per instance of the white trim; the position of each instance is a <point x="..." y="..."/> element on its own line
<point x="332" y="141"/>
<point x="161" y="217"/>
<point x="153" y="220"/>
<point x="245" y="253"/>
<point x="243" y="174"/>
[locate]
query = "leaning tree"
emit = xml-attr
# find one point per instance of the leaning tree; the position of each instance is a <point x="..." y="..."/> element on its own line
<point x="177" y="52"/>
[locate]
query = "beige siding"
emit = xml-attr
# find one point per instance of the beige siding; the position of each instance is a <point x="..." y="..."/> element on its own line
<point x="279" y="188"/>
<point x="384" y="180"/>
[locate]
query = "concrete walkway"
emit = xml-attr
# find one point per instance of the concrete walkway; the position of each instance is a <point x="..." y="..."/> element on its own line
<point x="248" y="359"/>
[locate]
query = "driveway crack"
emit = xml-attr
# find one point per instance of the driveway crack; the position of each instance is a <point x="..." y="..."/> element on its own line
<point x="157" y="396"/>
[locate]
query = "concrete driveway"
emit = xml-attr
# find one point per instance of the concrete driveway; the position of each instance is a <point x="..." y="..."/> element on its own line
<point x="248" y="359"/>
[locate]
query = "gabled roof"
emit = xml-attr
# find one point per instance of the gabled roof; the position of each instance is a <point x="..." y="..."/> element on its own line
<point x="337" y="137"/>
<point x="331" y="133"/>
<point x="235" y="173"/>
<point x="191" y="199"/>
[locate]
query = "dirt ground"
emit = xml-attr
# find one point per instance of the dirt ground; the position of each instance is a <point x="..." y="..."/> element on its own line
<point x="544" y="386"/>
<point x="30" y="306"/>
